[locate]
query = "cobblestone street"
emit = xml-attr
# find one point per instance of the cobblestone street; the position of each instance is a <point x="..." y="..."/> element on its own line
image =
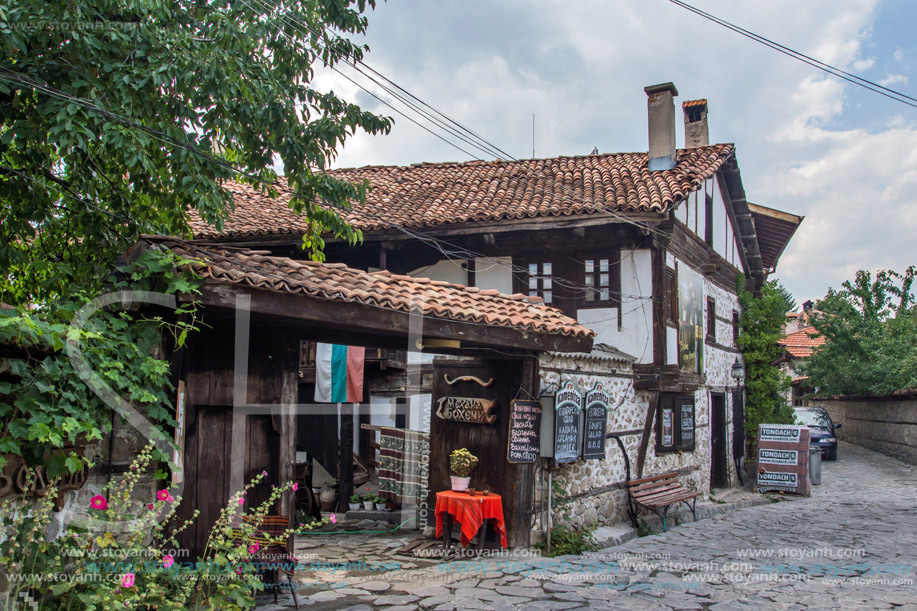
<point x="851" y="545"/>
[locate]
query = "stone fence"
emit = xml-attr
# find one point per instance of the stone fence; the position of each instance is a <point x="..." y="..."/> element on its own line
<point x="884" y="424"/>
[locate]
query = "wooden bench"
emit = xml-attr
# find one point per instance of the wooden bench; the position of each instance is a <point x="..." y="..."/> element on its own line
<point x="659" y="492"/>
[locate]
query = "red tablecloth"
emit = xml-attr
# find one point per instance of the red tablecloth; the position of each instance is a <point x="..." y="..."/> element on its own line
<point x="470" y="511"/>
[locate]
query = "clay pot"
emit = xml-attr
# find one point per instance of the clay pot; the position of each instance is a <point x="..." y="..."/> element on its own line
<point x="328" y="498"/>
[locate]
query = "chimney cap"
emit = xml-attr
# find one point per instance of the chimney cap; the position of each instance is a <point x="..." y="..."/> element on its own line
<point x="660" y="88"/>
<point x="692" y="103"/>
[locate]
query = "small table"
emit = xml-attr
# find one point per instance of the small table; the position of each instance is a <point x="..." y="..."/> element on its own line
<point x="472" y="512"/>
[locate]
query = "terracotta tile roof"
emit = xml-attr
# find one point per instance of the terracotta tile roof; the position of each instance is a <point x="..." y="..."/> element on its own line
<point x="431" y="194"/>
<point x="690" y="103"/>
<point x="337" y="282"/>
<point x="801" y="343"/>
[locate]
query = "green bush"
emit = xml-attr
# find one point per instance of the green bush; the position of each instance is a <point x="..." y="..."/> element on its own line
<point x="119" y="557"/>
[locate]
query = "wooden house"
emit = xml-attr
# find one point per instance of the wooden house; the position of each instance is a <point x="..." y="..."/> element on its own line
<point x="642" y="248"/>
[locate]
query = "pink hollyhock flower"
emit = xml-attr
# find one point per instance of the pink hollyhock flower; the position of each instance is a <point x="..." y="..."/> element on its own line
<point x="264" y="473"/>
<point x="295" y="485"/>
<point x="98" y="502"/>
<point x="334" y="518"/>
<point x="164" y="495"/>
<point x="254" y="547"/>
<point x="168" y="560"/>
<point x="127" y="581"/>
<point x="150" y="506"/>
<point x="241" y="501"/>
<point x="238" y="570"/>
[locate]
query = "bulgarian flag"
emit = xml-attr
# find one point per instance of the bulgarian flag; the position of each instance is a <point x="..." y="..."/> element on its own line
<point x="338" y="373"/>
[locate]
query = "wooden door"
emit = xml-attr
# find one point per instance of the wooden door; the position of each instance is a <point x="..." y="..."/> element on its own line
<point x="515" y="482"/>
<point x="208" y="455"/>
<point x="719" y="476"/>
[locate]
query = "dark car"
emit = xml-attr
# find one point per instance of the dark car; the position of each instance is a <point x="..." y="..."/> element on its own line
<point x="821" y="429"/>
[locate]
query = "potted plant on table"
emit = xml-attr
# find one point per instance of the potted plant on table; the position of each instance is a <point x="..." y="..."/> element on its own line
<point x="354" y="502"/>
<point x="461" y="464"/>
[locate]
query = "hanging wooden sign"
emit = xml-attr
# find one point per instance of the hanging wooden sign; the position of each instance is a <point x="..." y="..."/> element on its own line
<point x="596" y="422"/>
<point x="464" y="409"/>
<point x="568" y="410"/>
<point x="524" y="428"/>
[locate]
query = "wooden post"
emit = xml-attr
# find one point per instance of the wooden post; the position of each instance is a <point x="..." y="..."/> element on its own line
<point x="345" y="488"/>
<point x="289" y="391"/>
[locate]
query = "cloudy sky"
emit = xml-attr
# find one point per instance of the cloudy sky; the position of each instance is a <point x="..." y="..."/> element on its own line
<point x="806" y="142"/>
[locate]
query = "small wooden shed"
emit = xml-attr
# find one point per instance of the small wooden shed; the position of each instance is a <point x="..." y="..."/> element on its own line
<point x="240" y="372"/>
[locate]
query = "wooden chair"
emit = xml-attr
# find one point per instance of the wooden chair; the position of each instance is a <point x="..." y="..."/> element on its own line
<point x="273" y="556"/>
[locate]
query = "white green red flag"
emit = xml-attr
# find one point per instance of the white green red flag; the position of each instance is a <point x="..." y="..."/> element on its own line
<point x="339" y="373"/>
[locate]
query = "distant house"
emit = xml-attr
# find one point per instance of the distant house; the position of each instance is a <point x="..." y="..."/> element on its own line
<point x="642" y="248"/>
<point x="798" y="346"/>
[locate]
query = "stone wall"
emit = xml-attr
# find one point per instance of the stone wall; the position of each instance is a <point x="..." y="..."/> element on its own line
<point x="887" y="425"/>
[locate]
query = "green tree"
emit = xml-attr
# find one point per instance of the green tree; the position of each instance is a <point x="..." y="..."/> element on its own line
<point x="118" y="119"/>
<point x="787" y="296"/>
<point x="870" y="331"/>
<point x="761" y="323"/>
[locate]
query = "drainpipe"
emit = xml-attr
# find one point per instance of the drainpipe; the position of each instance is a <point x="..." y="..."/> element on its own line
<point x="550" y="520"/>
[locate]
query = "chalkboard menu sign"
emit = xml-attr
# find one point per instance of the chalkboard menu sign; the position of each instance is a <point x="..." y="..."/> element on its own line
<point x="668" y="440"/>
<point x="596" y="421"/>
<point x="567" y="411"/>
<point x="524" y="427"/>
<point x="687" y="426"/>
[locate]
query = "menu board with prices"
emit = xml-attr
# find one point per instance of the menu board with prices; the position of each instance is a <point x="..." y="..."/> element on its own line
<point x="524" y="427"/>
<point x="596" y="422"/>
<point x="568" y="422"/>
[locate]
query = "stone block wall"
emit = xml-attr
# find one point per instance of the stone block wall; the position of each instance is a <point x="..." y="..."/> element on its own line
<point x="887" y="425"/>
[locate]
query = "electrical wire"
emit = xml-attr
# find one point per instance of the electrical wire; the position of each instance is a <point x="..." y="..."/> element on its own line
<point x="823" y="66"/>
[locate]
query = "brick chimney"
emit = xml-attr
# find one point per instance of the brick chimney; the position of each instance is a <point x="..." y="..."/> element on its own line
<point x="696" y="133"/>
<point x="660" y="105"/>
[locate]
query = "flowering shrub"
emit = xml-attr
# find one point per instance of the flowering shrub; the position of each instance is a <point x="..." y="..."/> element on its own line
<point x="138" y="571"/>
<point x="462" y="462"/>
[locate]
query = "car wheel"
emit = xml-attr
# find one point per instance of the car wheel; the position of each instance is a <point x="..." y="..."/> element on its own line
<point x="831" y="455"/>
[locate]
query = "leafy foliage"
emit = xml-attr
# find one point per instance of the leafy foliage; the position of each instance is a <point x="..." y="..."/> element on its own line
<point x="760" y="325"/>
<point x="117" y="119"/>
<point x="45" y="404"/>
<point x="99" y="565"/>
<point x="870" y="331"/>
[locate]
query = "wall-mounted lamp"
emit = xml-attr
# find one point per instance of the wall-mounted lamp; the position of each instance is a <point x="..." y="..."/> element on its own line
<point x="738" y="373"/>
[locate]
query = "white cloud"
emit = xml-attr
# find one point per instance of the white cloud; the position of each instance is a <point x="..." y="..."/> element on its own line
<point x="893" y="79"/>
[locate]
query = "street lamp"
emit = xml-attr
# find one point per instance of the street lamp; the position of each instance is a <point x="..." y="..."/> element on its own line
<point x="738" y="419"/>
<point x="738" y="373"/>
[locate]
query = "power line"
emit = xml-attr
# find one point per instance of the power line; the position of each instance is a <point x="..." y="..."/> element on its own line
<point x="825" y="67"/>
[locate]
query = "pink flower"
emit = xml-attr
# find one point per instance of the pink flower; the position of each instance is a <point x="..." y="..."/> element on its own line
<point x="98" y="502"/>
<point x="127" y="581"/>
<point x="254" y="547"/>
<point x="264" y="473"/>
<point x="168" y="560"/>
<point x="238" y="570"/>
<point x="241" y="501"/>
<point x="295" y="485"/>
<point x="334" y="518"/>
<point x="164" y="495"/>
<point x="150" y="506"/>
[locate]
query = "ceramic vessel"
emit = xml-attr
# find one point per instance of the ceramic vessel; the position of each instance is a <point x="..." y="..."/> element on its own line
<point x="460" y="484"/>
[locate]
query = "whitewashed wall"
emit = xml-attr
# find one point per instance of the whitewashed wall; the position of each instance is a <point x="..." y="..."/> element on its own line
<point x="634" y="336"/>
<point x="494" y="273"/>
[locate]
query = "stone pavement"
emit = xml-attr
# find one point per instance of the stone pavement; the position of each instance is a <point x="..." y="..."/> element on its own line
<point x="851" y="545"/>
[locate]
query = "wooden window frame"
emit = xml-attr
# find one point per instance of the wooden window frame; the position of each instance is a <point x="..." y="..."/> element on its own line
<point x="614" y="278"/>
<point x="711" y="319"/>
<point x="680" y="442"/>
<point x="670" y="289"/>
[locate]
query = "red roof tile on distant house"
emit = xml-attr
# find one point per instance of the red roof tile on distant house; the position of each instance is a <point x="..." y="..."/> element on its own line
<point x="801" y="343"/>
<point x="431" y="194"/>
<point x="337" y="282"/>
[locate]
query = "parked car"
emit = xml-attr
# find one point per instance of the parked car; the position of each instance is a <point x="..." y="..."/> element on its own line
<point x="821" y="429"/>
